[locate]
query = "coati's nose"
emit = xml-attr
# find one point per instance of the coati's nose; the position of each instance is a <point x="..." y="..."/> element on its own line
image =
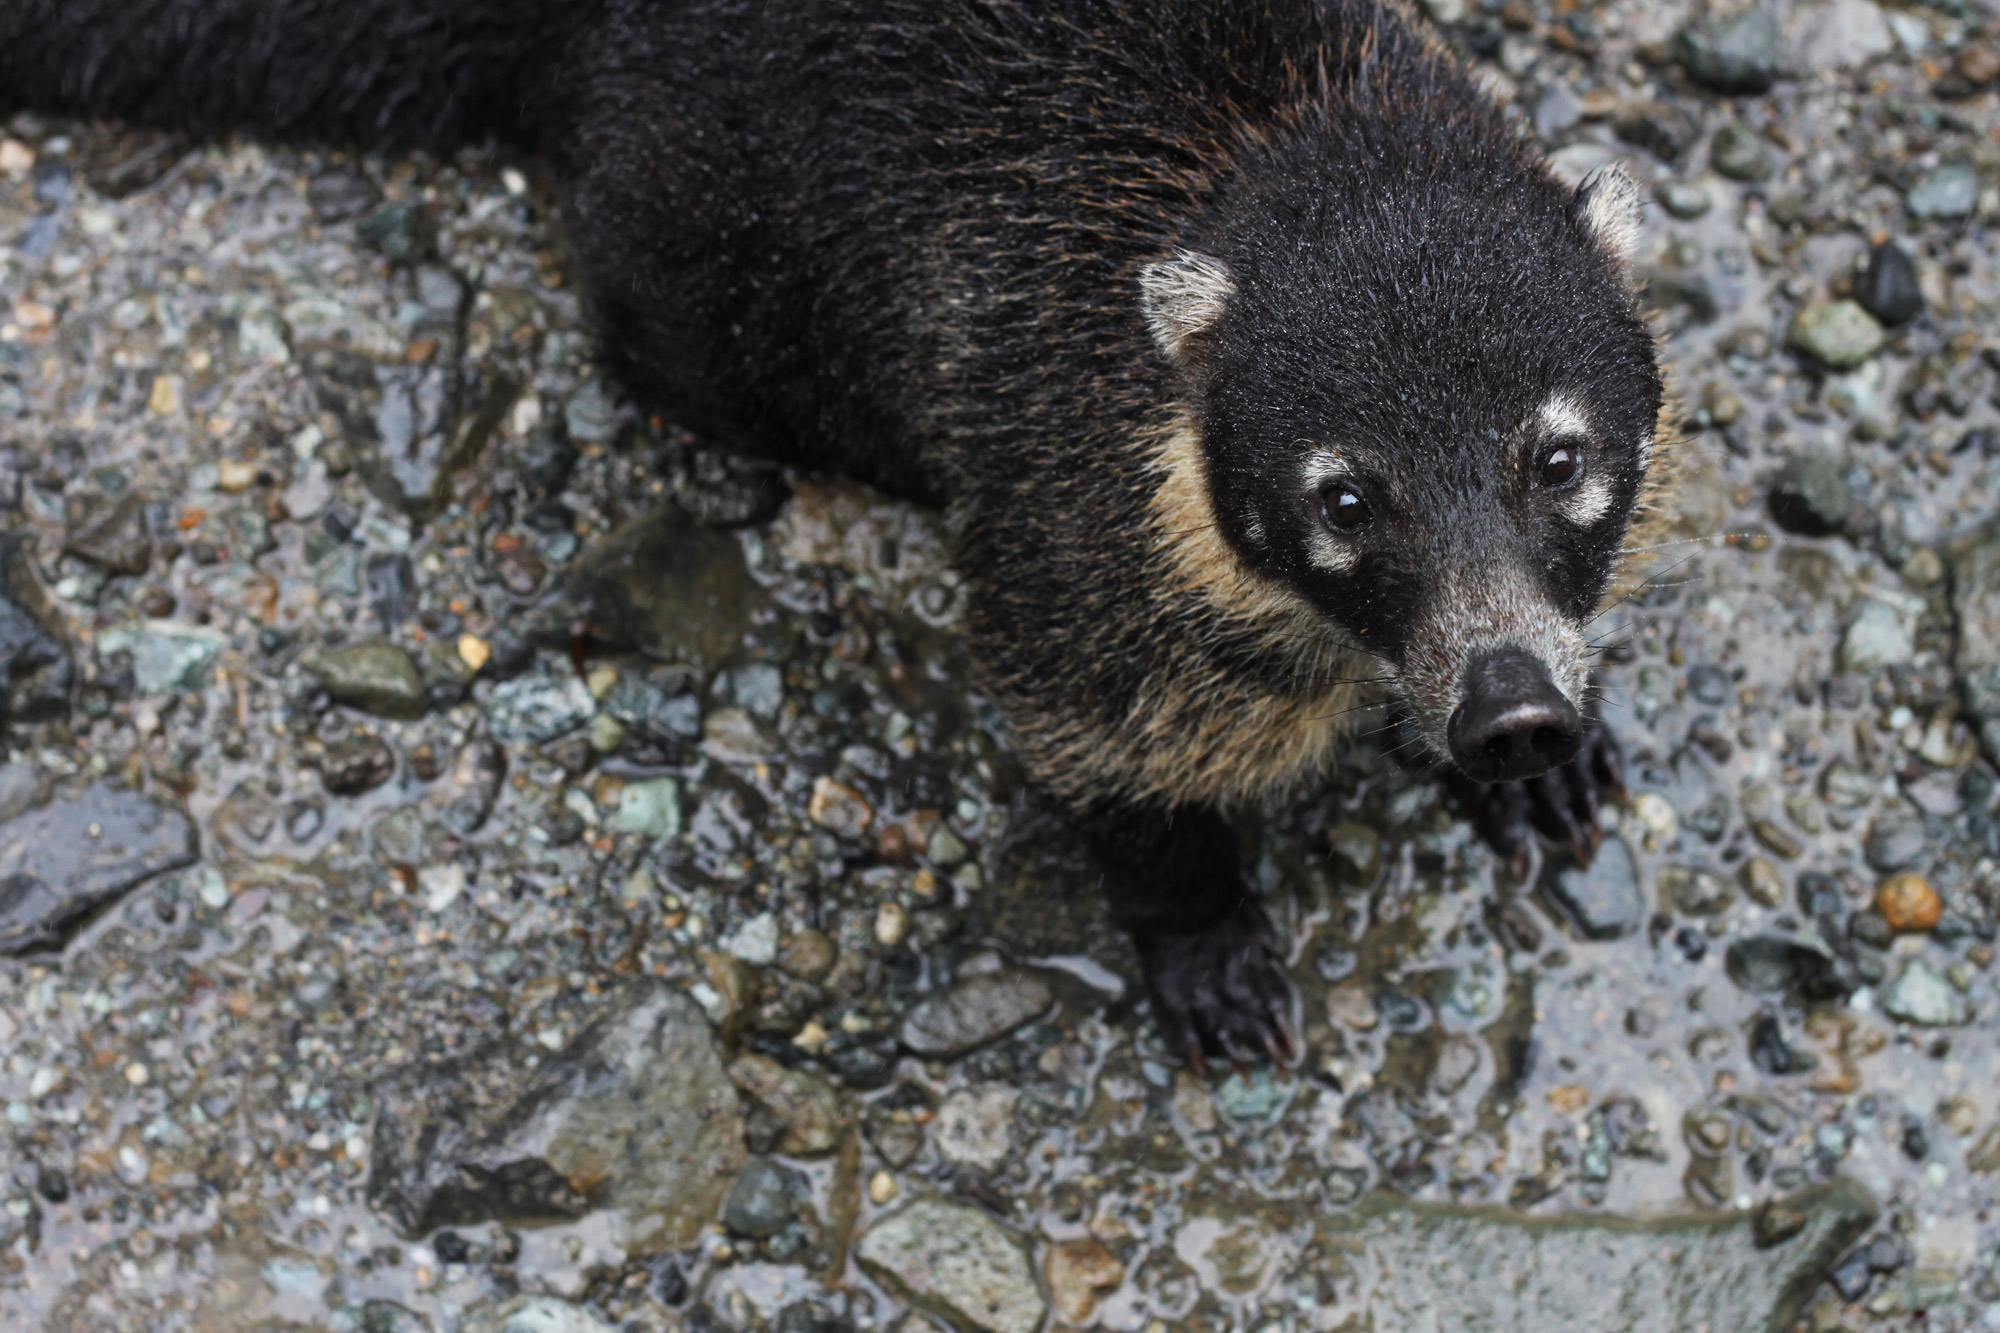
<point x="1512" y="722"/>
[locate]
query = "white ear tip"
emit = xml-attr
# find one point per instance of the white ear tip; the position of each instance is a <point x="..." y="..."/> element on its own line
<point x="1183" y="297"/>
<point x="1612" y="208"/>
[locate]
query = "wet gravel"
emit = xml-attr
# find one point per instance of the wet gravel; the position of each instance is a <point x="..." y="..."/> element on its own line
<point x="473" y="858"/>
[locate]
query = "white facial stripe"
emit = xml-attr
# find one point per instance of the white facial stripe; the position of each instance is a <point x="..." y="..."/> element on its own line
<point x="1645" y="451"/>
<point x="1587" y="503"/>
<point x="1327" y="552"/>
<point x="1331" y="556"/>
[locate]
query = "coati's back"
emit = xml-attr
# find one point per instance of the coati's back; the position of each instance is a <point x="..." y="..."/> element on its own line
<point x="1263" y="362"/>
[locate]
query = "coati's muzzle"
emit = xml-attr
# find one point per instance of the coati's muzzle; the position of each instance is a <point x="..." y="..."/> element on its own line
<point x="1493" y="674"/>
<point x="1512" y="722"/>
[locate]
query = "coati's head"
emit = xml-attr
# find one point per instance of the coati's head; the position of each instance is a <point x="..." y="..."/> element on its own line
<point x="1427" y="404"/>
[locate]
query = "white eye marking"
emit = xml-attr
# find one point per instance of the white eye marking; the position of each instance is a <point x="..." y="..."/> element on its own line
<point x="1588" y="503"/>
<point x="1329" y="555"/>
<point x="1563" y="415"/>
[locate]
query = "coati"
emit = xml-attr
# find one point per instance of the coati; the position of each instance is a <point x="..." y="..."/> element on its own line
<point x="1259" y="358"/>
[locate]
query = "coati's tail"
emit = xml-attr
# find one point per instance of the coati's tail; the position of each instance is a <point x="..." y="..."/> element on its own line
<point x="393" y="72"/>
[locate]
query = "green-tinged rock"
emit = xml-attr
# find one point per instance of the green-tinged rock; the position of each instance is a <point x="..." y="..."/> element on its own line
<point x="1919" y="995"/>
<point x="1946" y="194"/>
<point x="1493" y="1269"/>
<point x="1742" y="154"/>
<point x="167" y="657"/>
<point x="955" y="1262"/>
<point x="633" y="1114"/>
<point x="1838" y="334"/>
<point x="376" y="677"/>
<point x="1883" y="633"/>
<point x="651" y="807"/>
<point x="1737" y="53"/>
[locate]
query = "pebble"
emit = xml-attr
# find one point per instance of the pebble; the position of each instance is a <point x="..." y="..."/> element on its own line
<point x="1896" y="840"/>
<point x="1919" y="995"/>
<point x="808" y="955"/>
<point x="812" y="1111"/>
<point x="1080" y="1273"/>
<point x="1736" y="53"/>
<point x="375" y="676"/>
<point x="533" y="1314"/>
<point x="1351" y="1007"/>
<point x="113" y="536"/>
<point x="1685" y="200"/>
<point x="1810" y="496"/>
<point x="1838" y="334"/>
<point x="167" y="657"/>
<point x="838" y="808"/>
<point x="649" y="806"/>
<point x="1908" y="903"/>
<point x="1881" y="634"/>
<point x="1948" y="193"/>
<point x="1603" y="902"/>
<point x="1694" y="891"/>
<point x="533" y="710"/>
<point x="975" y="1127"/>
<point x="1773" y="965"/>
<point x="356" y="764"/>
<point x="763" y="1199"/>
<point x="957" y="1263"/>
<point x="1889" y="289"/>
<point x="1741" y="154"/>
<point x="973" y="1012"/>
<point x="892" y="924"/>
<point x="1762" y="882"/>
<point x="1357" y="852"/>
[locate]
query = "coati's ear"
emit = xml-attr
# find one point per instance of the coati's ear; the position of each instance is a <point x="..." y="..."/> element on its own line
<point x="1612" y="209"/>
<point x="1183" y="297"/>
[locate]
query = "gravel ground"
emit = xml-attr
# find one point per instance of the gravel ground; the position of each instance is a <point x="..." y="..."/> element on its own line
<point x="472" y="858"/>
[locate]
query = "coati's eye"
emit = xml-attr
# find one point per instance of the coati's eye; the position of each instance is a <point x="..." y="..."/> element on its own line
<point x="1343" y="508"/>
<point x="1559" y="465"/>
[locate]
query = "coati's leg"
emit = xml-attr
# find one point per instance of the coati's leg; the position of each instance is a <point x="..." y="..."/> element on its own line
<point x="1561" y="804"/>
<point x="1174" y="878"/>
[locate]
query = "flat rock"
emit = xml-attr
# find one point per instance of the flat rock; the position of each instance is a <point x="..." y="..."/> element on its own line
<point x="1949" y="192"/>
<point x="635" y="1114"/>
<point x="1919" y="995"/>
<point x="1975" y="599"/>
<point x="532" y="710"/>
<point x="1603" y="902"/>
<point x="957" y="1263"/>
<point x="1736" y="53"/>
<point x="60" y="861"/>
<point x="973" y="1012"/>
<point x="665" y="586"/>
<point x="1498" y="1271"/>
<point x="535" y="1314"/>
<point x="1838" y="334"/>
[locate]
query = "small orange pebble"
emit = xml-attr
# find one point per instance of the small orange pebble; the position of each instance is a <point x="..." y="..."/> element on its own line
<point x="190" y="519"/>
<point x="1908" y="903"/>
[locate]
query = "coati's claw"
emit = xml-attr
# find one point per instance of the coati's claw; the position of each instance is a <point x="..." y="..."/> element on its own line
<point x="1561" y="804"/>
<point x="1221" y="989"/>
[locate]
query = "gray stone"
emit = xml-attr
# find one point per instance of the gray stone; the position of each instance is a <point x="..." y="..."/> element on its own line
<point x="1772" y="965"/>
<point x="531" y="710"/>
<point x="535" y="1314"/>
<point x="1883" y="633"/>
<point x="957" y="1263"/>
<point x="374" y="676"/>
<point x="1896" y="841"/>
<point x="1946" y="194"/>
<point x="1695" y="892"/>
<point x="763" y="1200"/>
<point x="1741" y="153"/>
<point x="112" y="536"/>
<point x="65" y="858"/>
<point x="1975" y="599"/>
<point x="356" y="764"/>
<point x="1603" y="902"/>
<point x="635" y="1114"/>
<point x="974" y="1012"/>
<point x="589" y="414"/>
<point x="474" y="785"/>
<point x="1557" y="109"/>
<point x="1684" y="199"/>
<point x="1889" y="289"/>
<point x="1809" y="496"/>
<point x="1833" y="35"/>
<point x="1736" y="53"/>
<point x="1919" y="995"/>
<point x="36" y="669"/>
<point x="1495" y="1269"/>
<point x="664" y="586"/>
<point x="1837" y="334"/>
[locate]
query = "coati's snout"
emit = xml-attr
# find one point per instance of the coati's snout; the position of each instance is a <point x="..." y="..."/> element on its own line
<point x="1512" y="722"/>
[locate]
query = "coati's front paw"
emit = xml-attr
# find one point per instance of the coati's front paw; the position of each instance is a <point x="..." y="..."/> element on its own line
<point x="1561" y="804"/>
<point x="1221" y="989"/>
